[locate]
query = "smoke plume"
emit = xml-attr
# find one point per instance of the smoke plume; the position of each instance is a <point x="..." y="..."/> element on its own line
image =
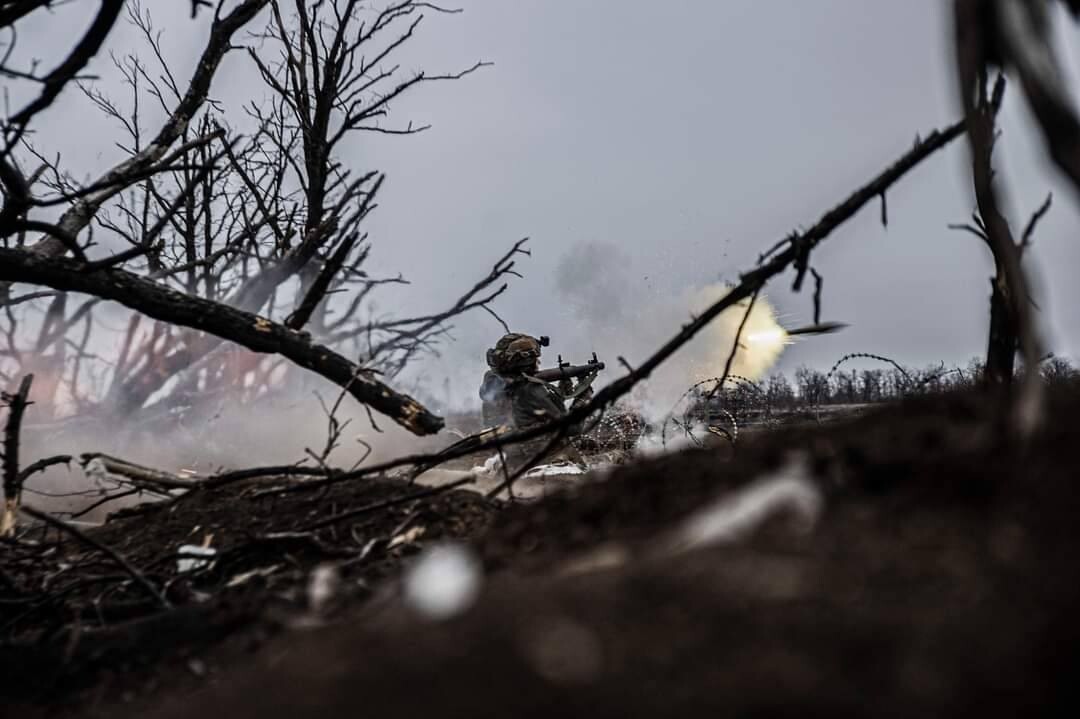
<point x="615" y="313"/>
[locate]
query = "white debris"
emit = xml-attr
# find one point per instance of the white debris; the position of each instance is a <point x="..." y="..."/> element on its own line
<point x="323" y="585"/>
<point x="245" y="577"/>
<point x="407" y="537"/>
<point x="735" y="515"/>
<point x="491" y="466"/>
<point x="193" y="556"/>
<point x="552" y="470"/>
<point x="95" y="470"/>
<point x="444" y="581"/>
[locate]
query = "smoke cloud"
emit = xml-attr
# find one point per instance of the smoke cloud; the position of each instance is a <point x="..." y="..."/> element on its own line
<point x="615" y="312"/>
<point x="608" y="306"/>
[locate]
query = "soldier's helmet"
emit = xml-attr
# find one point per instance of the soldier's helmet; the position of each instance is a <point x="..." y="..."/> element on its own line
<point x="514" y="352"/>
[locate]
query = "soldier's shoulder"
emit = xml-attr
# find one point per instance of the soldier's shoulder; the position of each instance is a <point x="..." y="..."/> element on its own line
<point x="522" y="380"/>
<point x="527" y="386"/>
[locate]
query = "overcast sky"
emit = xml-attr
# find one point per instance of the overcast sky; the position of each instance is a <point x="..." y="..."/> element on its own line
<point x="666" y="144"/>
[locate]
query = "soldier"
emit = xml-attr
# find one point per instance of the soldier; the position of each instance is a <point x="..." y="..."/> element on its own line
<point x="512" y="396"/>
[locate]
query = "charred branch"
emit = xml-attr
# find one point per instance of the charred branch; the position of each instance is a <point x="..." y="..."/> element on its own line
<point x="1012" y="321"/>
<point x="254" y="332"/>
<point x="123" y="175"/>
<point x="317" y="291"/>
<point x="16" y="404"/>
<point x="1036" y="217"/>
<point x="57" y="80"/>
<point x="42" y="464"/>
<point x="136" y="474"/>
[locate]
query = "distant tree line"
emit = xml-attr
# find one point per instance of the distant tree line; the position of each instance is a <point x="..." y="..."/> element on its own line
<point x="862" y="386"/>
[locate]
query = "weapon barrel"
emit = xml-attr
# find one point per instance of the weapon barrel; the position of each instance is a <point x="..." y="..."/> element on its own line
<point x="568" y="372"/>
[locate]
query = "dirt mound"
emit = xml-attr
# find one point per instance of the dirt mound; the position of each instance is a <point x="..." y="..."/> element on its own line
<point x="77" y="631"/>
<point x="939" y="577"/>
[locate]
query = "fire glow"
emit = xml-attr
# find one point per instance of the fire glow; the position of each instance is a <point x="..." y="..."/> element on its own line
<point x="761" y="341"/>
<point x="771" y="340"/>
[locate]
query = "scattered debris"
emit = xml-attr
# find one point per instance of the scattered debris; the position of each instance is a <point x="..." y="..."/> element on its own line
<point x="245" y="577"/>
<point x="192" y="557"/>
<point x="555" y="470"/>
<point x="409" y="536"/>
<point x="102" y="468"/>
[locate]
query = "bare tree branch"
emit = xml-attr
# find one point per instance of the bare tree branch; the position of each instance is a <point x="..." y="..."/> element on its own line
<point x="56" y="80"/>
<point x="113" y="181"/>
<point x="1029" y="230"/>
<point x="1015" y="323"/>
<point x="16" y="405"/>
<point x="249" y="330"/>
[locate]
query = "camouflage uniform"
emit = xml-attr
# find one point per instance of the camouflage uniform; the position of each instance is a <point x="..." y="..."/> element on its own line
<point x="511" y="397"/>
<point x="533" y="402"/>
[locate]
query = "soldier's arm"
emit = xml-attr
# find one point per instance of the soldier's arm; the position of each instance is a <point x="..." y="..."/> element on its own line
<point x="533" y="405"/>
<point x="536" y="405"/>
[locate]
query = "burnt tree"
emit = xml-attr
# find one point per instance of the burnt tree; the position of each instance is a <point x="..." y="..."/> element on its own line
<point x="232" y="235"/>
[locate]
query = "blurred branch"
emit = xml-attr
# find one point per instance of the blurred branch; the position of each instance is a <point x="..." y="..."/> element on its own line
<point x="1019" y="34"/>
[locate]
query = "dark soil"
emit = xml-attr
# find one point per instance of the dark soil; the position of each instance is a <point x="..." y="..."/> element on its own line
<point x="102" y="645"/>
<point x="942" y="579"/>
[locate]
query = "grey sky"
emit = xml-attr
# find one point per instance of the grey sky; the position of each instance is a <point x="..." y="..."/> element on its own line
<point x="689" y="135"/>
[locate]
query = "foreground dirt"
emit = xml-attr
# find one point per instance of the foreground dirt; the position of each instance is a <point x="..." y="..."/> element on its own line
<point x="941" y="578"/>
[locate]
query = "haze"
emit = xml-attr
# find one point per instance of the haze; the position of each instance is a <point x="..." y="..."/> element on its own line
<point x="652" y="149"/>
